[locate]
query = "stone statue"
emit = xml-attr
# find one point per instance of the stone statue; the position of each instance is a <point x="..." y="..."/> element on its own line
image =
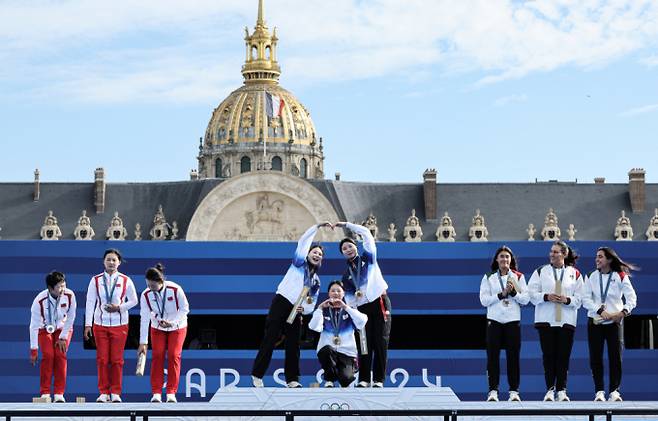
<point x="84" y="231"/>
<point x="371" y="224"/>
<point x="116" y="231"/>
<point x="551" y="231"/>
<point x="138" y="232"/>
<point x="446" y="232"/>
<point x="652" y="231"/>
<point x="531" y="232"/>
<point x="391" y="232"/>
<point x="571" y="232"/>
<point x="50" y="230"/>
<point x="412" y="231"/>
<point x="478" y="231"/>
<point x="174" y="230"/>
<point x="623" y="230"/>
<point x="160" y="230"/>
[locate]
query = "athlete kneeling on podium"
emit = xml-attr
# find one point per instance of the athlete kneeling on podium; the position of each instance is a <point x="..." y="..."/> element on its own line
<point x="51" y="329"/>
<point x="336" y="322"/>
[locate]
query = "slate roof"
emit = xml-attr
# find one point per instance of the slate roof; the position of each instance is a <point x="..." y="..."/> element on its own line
<point x="507" y="208"/>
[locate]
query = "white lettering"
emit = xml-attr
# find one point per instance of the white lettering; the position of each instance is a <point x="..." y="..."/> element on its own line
<point x="200" y="387"/>
<point x="426" y="381"/>
<point x="405" y="376"/>
<point x="222" y="377"/>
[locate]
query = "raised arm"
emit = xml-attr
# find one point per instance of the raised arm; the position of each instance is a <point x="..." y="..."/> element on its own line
<point x="368" y="240"/>
<point x="304" y="244"/>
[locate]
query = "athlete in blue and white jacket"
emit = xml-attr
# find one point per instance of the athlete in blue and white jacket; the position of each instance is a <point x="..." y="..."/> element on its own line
<point x="336" y="322"/>
<point x="365" y="288"/>
<point x="303" y="272"/>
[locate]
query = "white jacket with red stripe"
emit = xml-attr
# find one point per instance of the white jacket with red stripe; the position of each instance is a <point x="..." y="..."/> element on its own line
<point x="175" y="312"/>
<point x="62" y="309"/>
<point x="124" y="295"/>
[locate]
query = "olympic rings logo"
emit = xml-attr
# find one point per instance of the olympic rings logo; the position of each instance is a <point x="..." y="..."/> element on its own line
<point x="334" y="406"/>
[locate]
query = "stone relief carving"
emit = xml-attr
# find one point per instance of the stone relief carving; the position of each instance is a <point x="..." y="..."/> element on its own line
<point x="138" y="232"/>
<point x="551" y="230"/>
<point x="478" y="231"/>
<point x="266" y="218"/>
<point x="623" y="230"/>
<point x="50" y="230"/>
<point x="116" y="231"/>
<point x="445" y="232"/>
<point x="412" y="231"/>
<point x="174" y="230"/>
<point x="84" y="231"/>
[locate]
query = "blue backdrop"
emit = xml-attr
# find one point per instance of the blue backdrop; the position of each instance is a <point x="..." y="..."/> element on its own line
<point x="240" y="278"/>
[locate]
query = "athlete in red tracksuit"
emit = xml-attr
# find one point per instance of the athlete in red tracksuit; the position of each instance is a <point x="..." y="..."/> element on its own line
<point x="51" y="328"/>
<point x="109" y="297"/>
<point x="164" y="305"/>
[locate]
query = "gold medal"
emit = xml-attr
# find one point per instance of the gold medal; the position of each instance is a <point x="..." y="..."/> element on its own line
<point x="309" y="299"/>
<point x="358" y="294"/>
<point x="337" y="340"/>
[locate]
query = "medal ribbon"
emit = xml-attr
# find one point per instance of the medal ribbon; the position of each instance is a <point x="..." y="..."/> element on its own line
<point x="604" y="293"/>
<point x="52" y="321"/>
<point x="108" y="295"/>
<point x="500" y="280"/>
<point x="336" y="317"/>
<point x="356" y="278"/>
<point x="561" y="275"/>
<point x="161" y="310"/>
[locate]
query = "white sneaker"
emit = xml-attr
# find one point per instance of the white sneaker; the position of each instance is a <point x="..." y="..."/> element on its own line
<point x="157" y="398"/>
<point x="257" y="382"/>
<point x="115" y="398"/>
<point x="171" y="398"/>
<point x="514" y="396"/>
<point x="363" y="383"/>
<point x="378" y="384"/>
<point x="600" y="396"/>
<point x="562" y="396"/>
<point x="328" y="384"/>
<point x="58" y="398"/>
<point x="293" y="385"/>
<point x="103" y="398"/>
<point x="492" y="396"/>
<point x="46" y="396"/>
<point x="614" y="396"/>
<point x="549" y="396"/>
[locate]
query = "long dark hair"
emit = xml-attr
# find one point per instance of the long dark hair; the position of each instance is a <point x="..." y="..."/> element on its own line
<point x="570" y="256"/>
<point x="616" y="263"/>
<point x="494" y="262"/>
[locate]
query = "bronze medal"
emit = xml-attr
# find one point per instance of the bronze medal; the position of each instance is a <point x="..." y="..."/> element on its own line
<point x="309" y="299"/>
<point x="358" y="294"/>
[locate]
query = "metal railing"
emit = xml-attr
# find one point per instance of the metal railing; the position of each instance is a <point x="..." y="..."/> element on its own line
<point x="289" y="415"/>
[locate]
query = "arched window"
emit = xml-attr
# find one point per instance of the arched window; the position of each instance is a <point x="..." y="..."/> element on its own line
<point x="254" y="52"/>
<point x="268" y="52"/>
<point x="245" y="164"/>
<point x="218" y="168"/>
<point x="277" y="165"/>
<point x="303" y="168"/>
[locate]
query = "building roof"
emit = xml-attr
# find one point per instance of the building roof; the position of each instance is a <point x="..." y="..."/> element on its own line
<point x="507" y="208"/>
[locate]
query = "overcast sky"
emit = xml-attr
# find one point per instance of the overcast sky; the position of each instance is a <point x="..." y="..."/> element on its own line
<point x="481" y="90"/>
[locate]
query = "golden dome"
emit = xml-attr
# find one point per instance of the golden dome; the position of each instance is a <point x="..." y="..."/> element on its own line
<point x="260" y="117"/>
<point x="243" y="117"/>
